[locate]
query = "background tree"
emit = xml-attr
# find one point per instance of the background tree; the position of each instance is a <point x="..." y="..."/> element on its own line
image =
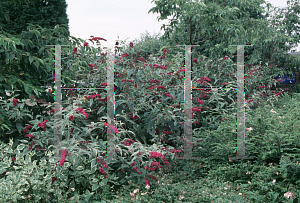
<point x="216" y="24"/>
<point x="47" y="14"/>
<point x="4" y="15"/>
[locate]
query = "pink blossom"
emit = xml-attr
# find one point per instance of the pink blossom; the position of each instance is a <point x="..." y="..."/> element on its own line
<point x="15" y="101"/>
<point x="63" y="157"/>
<point x="98" y="38"/>
<point x="200" y="101"/>
<point x="85" y="44"/>
<point x="31" y="145"/>
<point x="71" y="118"/>
<point x="102" y="171"/>
<point x="54" y="110"/>
<point x="146" y="181"/>
<point x="206" y="78"/>
<point x="155" y="154"/>
<point x="112" y="127"/>
<point x="196" y="109"/>
<point x="161" y="86"/>
<point x="26" y="128"/>
<point x="91" y="65"/>
<point x="30" y="136"/>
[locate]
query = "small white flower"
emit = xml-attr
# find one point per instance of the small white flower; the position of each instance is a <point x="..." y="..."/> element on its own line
<point x="289" y="195"/>
<point x="147" y="187"/>
<point x="225" y="188"/>
<point x="240" y="193"/>
<point x="273" y="111"/>
<point x="73" y="189"/>
<point x="144" y="193"/>
<point x="181" y="197"/>
<point x="249" y="129"/>
<point x="135" y="191"/>
<point x="274" y="181"/>
<point x="249" y="182"/>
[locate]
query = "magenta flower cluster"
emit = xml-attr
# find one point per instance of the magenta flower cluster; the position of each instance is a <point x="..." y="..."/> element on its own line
<point x="42" y="125"/>
<point x="80" y="110"/>
<point x="15" y="101"/>
<point x="63" y="157"/>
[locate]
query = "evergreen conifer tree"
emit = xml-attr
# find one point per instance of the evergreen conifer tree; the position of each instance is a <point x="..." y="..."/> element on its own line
<point x="46" y="13"/>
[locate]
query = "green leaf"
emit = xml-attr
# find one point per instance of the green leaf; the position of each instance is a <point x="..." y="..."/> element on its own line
<point x="95" y="187"/>
<point x="101" y="109"/>
<point x="103" y="182"/>
<point x="30" y="59"/>
<point x="1" y="41"/>
<point x="5" y="45"/>
<point x="19" y="126"/>
<point x="43" y="161"/>
<point x="27" y="159"/>
<point x="20" y="147"/>
<point x="41" y="50"/>
<point x="40" y="171"/>
<point x="37" y="33"/>
<point x="3" y="165"/>
<point x="27" y="88"/>
<point x="150" y="124"/>
<point x="79" y="168"/>
<point x="137" y="81"/>
<point x="37" y="63"/>
<point x="11" y="56"/>
<point x="129" y="72"/>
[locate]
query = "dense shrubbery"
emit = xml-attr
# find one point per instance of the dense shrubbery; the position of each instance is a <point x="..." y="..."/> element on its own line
<point x="149" y="129"/>
<point x="48" y="179"/>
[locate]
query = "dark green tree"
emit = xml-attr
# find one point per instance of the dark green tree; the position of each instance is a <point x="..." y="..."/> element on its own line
<point x="47" y="14"/>
<point x="215" y="24"/>
<point x="4" y="14"/>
